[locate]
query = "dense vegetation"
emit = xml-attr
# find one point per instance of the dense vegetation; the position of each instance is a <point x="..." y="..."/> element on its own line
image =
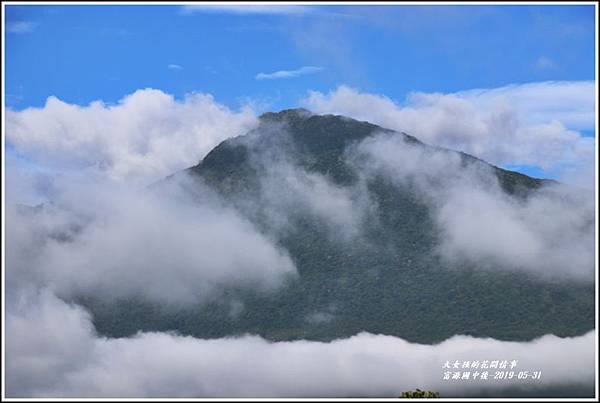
<point x="388" y="281"/>
<point x="418" y="393"/>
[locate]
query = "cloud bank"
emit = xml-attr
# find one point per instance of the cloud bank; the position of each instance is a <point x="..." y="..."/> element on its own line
<point x="52" y="351"/>
<point x="98" y="240"/>
<point x="289" y="73"/>
<point x="145" y="137"/>
<point x="531" y="124"/>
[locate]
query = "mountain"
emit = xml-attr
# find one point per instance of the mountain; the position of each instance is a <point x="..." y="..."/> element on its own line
<point x="365" y="241"/>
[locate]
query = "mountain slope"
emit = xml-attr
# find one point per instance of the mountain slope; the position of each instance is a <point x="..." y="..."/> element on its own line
<point x="365" y="241"/>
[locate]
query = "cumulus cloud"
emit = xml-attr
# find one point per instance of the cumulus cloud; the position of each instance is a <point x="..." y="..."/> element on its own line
<point x="174" y="67"/>
<point x="168" y="247"/>
<point x="52" y="351"/>
<point x="143" y="138"/>
<point x="289" y="73"/>
<point x="549" y="233"/>
<point x="531" y="124"/>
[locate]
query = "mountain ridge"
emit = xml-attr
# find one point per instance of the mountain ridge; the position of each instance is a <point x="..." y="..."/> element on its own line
<point x="295" y="116"/>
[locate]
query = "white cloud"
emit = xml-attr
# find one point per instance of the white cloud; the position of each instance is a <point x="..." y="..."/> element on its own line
<point x="20" y="27"/>
<point x="278" y="164"/>
<point x="143" y="138"/>
<point x="530" y="124"/>
<point x="572" y="103"/>
<point x="176" y="250"/>
<point x="289" y="73"/>
<point x="551" y="233"/>
<point x="174" y="67"/>
<point x="247" y="9"/>
<point x="167" y="247"/>
<point x="340" y="210"/>
<point x="52" y="351"/>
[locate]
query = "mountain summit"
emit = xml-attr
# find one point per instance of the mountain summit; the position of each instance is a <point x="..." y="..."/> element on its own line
<point x="286" y="115"/>
<point x="388" y="235"/>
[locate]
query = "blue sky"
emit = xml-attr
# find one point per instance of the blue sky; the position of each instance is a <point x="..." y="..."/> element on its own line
<point x="84" y="53"/>
<point x="272" y="56"/>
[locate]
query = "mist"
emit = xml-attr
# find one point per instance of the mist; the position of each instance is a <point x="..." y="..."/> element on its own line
<point x="549" y="233"/>
<point x="52" y="351"/>
<point x="287" y="190"/>
<point x="168" y="247"/>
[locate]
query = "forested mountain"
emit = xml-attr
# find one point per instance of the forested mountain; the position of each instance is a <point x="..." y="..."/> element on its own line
<point x="369" y="218"/>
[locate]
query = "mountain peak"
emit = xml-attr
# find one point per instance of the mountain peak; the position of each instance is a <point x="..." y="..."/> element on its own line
<point x="286" y="115"/>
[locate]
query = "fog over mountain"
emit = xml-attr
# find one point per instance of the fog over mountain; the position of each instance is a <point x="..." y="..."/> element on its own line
<point x="53" y="351"/>
<point x="311" y="255"/>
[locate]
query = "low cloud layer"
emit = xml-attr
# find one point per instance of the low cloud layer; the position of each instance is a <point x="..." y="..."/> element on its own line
<point x="96" y="239"/>
<point x="532" y="124"/>
<point x="145" y="137"/>
<point x="550" y="233"/>
<point x="52" y="351"/>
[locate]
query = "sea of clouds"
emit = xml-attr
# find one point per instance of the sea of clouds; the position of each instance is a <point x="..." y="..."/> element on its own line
<point x="80" y="220"/>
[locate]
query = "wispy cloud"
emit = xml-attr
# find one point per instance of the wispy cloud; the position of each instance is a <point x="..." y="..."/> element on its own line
<point x="289" y="73"/>
<point x="13" y="98"/>
<point x="544" y="63"/>
<point x="20" y="27"/>
<point x="174" y="67"/>
<point x="247" y="9"/>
